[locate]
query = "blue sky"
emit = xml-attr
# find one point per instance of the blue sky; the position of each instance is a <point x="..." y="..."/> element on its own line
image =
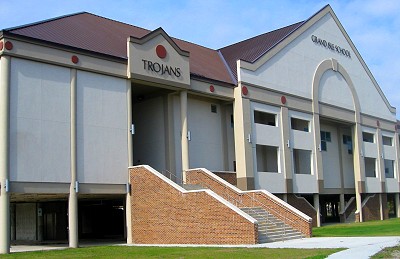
<point x="373" y="25"/>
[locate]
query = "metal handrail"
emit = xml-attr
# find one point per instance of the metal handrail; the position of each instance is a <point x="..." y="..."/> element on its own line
<point x="253" y="200"/>
<point x="236" y="202"/>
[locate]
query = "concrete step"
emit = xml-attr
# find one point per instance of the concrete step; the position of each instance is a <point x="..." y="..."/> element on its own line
<point x="270" y="228"/>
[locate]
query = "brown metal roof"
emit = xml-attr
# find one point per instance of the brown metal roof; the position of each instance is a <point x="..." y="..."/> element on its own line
<point x="101" y="35"/>
<point x="251" y="49"/>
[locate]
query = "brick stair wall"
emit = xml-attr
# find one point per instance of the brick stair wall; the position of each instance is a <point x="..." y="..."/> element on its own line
<point x="304" y="206"/>
<point x="285" y="212"/>
<point x="165" y="213"/>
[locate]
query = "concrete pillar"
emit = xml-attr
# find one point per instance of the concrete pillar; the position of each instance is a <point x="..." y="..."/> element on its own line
<point x="342" y="203"/>
<point x="317" y="209"/>
<point x="381" y="207"/>
<point x="73" y="195"/>
<point x="128" y="208"/>
<point x="317" y="152"/>
<point x="4" y="155"/>
<point x="359" y="166"/>
<point x="286" y="151"/>
<point x="185" y="134"/>
<point x="397" y="169"/>
<point x="244" y="141"/>
<point x="380" y="160"/>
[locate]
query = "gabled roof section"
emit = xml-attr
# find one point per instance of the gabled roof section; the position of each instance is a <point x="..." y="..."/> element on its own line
<point x="155" y="33"/>
<point x="254" y="56"/>
<point x="251" y="49"/>
<point x="95" y="34"/>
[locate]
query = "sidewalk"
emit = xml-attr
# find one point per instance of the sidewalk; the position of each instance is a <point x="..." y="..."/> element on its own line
<point x="358" y="247"/>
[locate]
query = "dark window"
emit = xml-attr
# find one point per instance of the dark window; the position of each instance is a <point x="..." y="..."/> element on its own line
<point x="213" y="108"/>
<point x="387" y="141"/>
<point x="349" y="144"/>
<point x="368" y="137"/>
<point x="265" y="118"/>
<point x="325" y="137"/>
<point x="299" y="124"/>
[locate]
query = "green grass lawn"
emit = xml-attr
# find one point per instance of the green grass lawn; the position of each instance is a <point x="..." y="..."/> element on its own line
<point x="115" y="252"/>
<point x="372" y="228"/>
<point x="389" y="227"/>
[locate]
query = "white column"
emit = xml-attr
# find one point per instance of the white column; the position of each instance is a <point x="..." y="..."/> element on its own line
<point x="4" y="155"/>
<point x="397" y="201"/>
<point x="317" y="208"/>
<point x="73" y="195"/>
<point x="128" y="209"/>
<point x="184" y="133"/>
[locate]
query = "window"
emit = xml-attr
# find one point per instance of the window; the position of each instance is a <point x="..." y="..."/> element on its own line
<point x="387" y="141"/>
<point x="213" y="108"/>
<point x="267" y="159"/>
<point x="368" y="137"/>
<point x="389" y="168"/>
<point x="370" y="167"/>
<point x="299" y="124"/>
<point x="325" y="137"/>
<point x="349" y="143"/>
<point x="265" y="118"/>
<point x="302" y="161"/>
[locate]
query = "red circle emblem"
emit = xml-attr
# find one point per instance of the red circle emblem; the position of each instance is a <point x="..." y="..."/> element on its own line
<point x="212" y="89"/>
<point x="245" y="91"/>
<point x="74" y="59"/>
<point x="283" y="99"/>
<point x="161" y="51"/>
<point x="8" y="45"/>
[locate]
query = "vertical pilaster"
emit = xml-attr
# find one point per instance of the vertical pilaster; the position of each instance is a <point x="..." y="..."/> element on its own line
<point x="73" y="192"/>
<point x="397" y="169"/>
<point x="4" y="155"/>
<point x="184" y="134"/>
<point x="381" y="162"/>
<point x="286" y="149"/>
<point x="243" y="141"/>
<point x="317" y="153"/>
<point x="317" y="209"/>
<point x="359" y="167"/>
<point x="128" y="209"/>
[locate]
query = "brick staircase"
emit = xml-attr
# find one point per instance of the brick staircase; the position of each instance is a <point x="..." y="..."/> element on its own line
<point x="270" y="228"/>
<point x="276" y="219"/>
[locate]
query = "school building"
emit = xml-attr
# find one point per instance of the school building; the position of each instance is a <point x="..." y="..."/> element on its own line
<point x="111" y="131"/>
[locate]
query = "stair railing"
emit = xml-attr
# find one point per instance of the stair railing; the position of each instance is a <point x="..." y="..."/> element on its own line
<point x="233" y="200"/>
<point x="253" y="202"/>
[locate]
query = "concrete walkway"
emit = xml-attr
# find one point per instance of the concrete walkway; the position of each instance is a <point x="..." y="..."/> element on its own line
<point x="358" y="247"/>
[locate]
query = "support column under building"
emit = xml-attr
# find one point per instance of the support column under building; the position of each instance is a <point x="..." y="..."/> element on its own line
<point x="185" y="134"/>
<point x="73" y="190"/>
<point x="4" y="155"/>
<point x="317" y="209"/>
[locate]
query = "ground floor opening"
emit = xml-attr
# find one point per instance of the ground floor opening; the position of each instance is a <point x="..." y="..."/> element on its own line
<point x="45" y="220"/>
